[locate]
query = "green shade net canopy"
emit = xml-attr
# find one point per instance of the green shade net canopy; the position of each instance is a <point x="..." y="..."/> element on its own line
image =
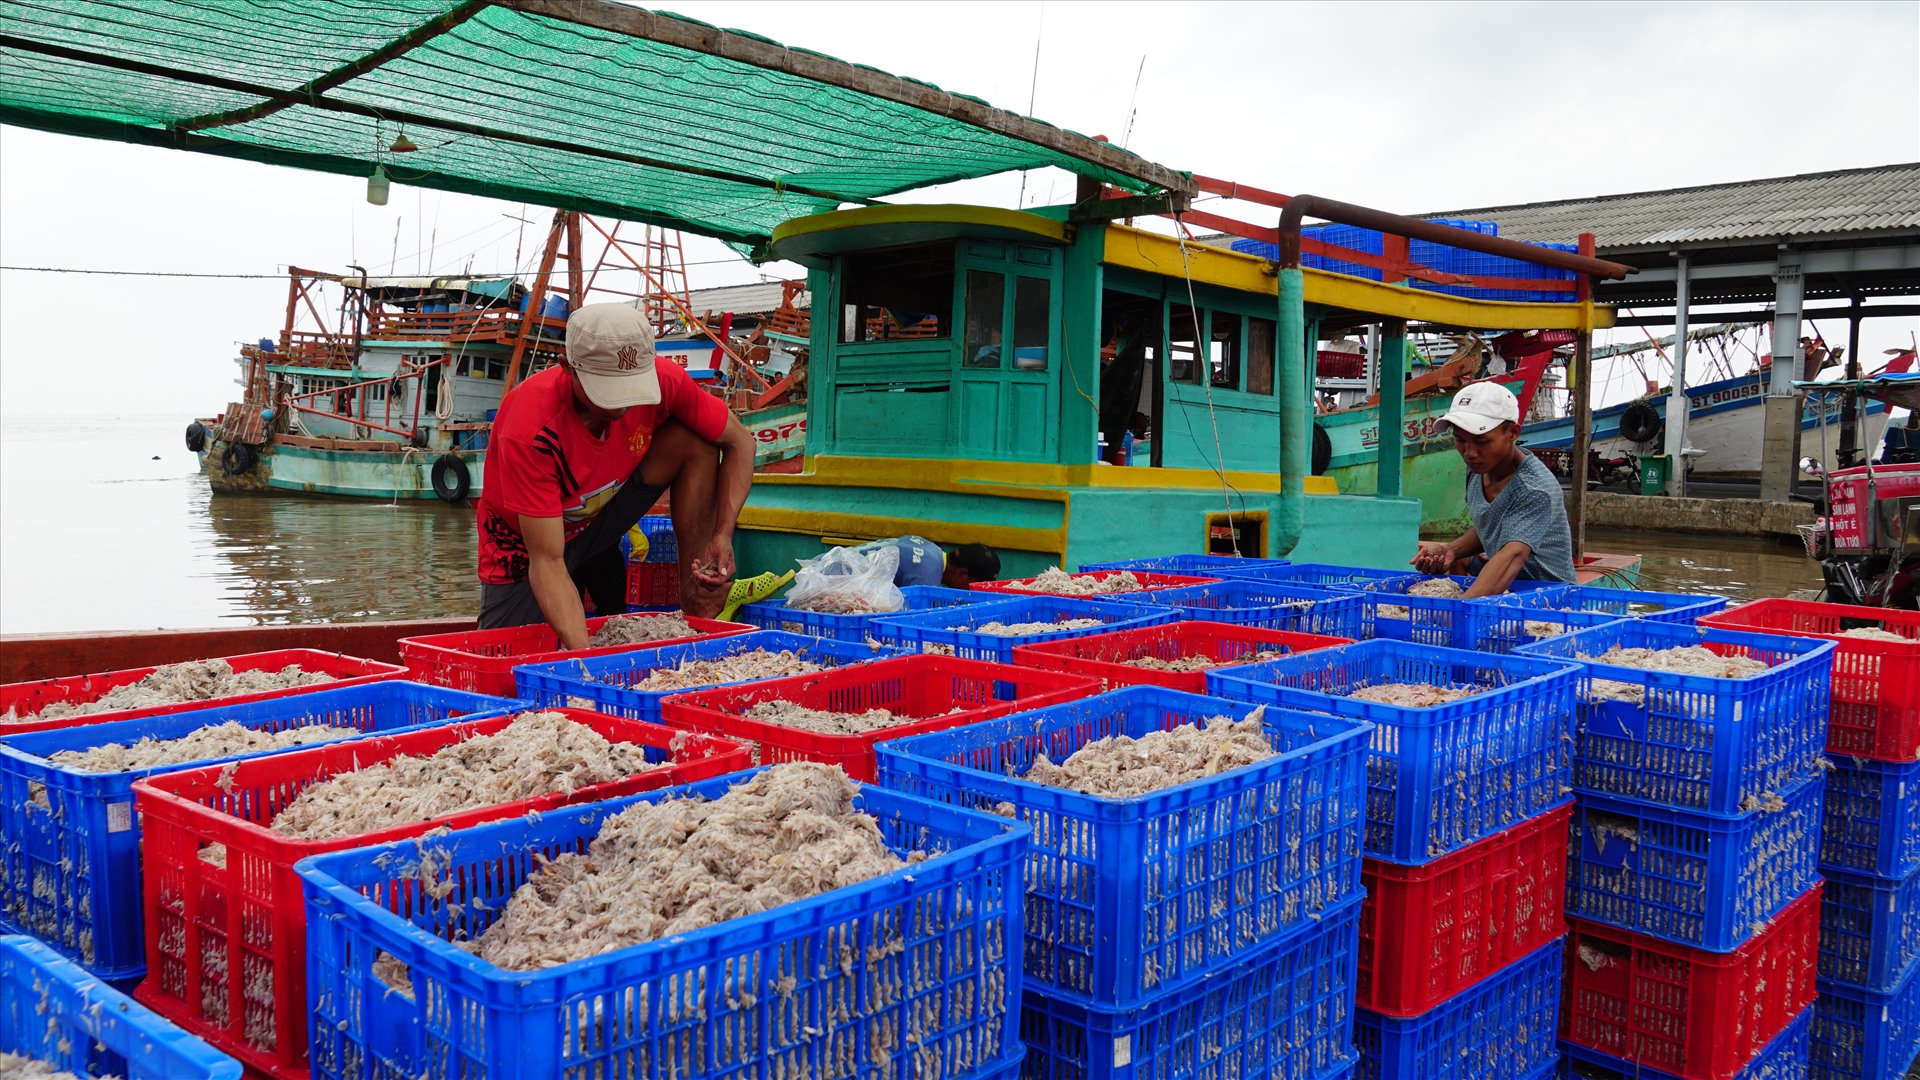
<point x="577" y="104"/>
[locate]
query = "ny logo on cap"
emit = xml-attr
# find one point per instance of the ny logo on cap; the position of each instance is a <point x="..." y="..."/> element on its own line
<point x="628" y="357"/>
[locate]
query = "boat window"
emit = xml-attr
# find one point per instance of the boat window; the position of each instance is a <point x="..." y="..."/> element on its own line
<point x="376" y="391"/>
<point x="1260" y="356"/>
<point x="1223" y="349"/>
<point x="986" y="311"/>
<point x="1182" y="348"/>
<point x="900" y="293"/>
<point x="1031" y="316"/>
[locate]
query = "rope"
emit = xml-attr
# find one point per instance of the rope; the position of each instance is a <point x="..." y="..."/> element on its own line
<point x="1205" y="363"/>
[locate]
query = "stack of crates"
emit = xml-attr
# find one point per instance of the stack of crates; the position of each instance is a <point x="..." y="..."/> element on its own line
<point x="654" y="579"/>
<point x="1461" y="932"/>
<point x="1692" y="895"/>
<point x="1204" y="929"/>
<point x="1866" y="1022"/>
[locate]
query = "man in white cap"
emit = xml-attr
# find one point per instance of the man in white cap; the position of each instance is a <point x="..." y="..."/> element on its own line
<point x="579" y="452"/>
<point x="1519" y="515"/>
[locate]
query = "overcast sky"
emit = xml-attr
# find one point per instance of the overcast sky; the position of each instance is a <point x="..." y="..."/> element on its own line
<point x="1407" y="107"/>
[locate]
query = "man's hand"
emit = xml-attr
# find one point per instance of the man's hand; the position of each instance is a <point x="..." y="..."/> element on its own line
<point x="713" y="567"/>
<point x="1432" y="558"/>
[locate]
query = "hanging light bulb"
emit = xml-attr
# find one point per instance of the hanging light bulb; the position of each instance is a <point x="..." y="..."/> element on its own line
<point x="377" y="186"/>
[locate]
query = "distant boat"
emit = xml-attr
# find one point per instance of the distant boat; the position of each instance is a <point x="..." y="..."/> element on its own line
<point x="1725" y="422"/>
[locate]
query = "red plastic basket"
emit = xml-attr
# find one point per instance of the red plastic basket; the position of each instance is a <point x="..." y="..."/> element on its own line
<point x="1876" y="684"/>
<point x="1431" y="931"/>
<point x="208" y="923"/>
<point x="945" y="691"/>
<point x="483" y="660"/>
<point x="1148" y="583"/>
<point x="1105" y="656"/>
<point x="31" y="697"/>
<point x="1684" y="1011"/>
<point x="653" y="584"/>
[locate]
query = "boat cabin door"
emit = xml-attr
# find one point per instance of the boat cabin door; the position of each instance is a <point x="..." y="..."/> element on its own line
<point x="1010" y="340"/>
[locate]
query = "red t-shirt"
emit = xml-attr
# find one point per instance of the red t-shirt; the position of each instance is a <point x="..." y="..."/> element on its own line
<point x="542" y="462"/>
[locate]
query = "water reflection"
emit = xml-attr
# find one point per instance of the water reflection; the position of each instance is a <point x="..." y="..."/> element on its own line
<point x="1739" y="568"/>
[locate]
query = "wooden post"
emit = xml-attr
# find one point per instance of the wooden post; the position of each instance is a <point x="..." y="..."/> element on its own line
<point x="1390" y="362"/>
<point x="1582" y="411"/>
<point x="536" y="300"/>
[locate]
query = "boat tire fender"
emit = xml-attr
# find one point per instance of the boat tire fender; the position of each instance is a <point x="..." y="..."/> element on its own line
<point x="451" y="480"/>
<point x="1640" y="423"/>
<point x="196" y="436"/>
<point x="1322" y="451"/>
<point x="238" y="459"/>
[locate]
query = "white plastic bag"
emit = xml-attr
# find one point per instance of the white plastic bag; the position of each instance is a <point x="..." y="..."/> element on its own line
<point x="848" y="581"/>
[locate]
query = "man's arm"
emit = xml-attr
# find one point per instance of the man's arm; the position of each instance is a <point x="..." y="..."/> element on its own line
<point x="1437" y="558"/>
<point x="1501" y="570"/>
<point x="553" y="587"/>
<point x="731" y="484"/>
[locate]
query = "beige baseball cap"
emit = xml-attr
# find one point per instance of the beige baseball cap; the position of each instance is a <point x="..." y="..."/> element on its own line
<point x="1481" y="407"/>
<point x="610" y="349"/>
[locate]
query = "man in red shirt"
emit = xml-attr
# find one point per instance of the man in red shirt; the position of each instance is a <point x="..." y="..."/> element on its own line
<point x="579" y="452"/>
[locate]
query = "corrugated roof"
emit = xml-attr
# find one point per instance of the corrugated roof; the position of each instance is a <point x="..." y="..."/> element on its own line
<point x="1848" y="201"/>
<point x="755" y="299"/>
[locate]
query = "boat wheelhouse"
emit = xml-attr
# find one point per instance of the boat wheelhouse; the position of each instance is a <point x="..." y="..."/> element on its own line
<point x="968" y="363"/>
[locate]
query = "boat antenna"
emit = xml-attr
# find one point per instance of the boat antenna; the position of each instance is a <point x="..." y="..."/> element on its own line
<point x="1033" y="88"/>
<point x="1133" y="111"/>
<point x="394" y="258"/>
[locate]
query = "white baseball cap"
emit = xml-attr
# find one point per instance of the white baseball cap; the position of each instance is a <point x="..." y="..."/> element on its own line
<point x="1481" y="407"/>
<point x="610" y="349"/>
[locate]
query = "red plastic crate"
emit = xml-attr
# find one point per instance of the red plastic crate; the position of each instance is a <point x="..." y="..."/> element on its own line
<point x="946" y="691"/>
<point x="1431" y="931"/>
<point x="31" y="697"/>
<point x="653" y="584"/>
<point x="483" y="660"/>
<point x="249" y="916"/>
<point x="1684" y="1011"/>
<point x="1876" y="684"/>
<point x="1850" y="499"/>
<point x="1105" y="656"/>
<point x="1148" y="583"/>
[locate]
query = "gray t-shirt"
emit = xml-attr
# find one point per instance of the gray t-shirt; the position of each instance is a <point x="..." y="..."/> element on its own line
<point x="1532" y="510"/>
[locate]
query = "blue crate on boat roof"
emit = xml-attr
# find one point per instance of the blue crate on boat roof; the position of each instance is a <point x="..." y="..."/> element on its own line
<point x="1438" y="778"/>
<point x="611" y="683"/>
<point x="1185" y="564"/>
<point x="1502" y="1026"/>
<point x="1285" y="1011"/>
<point x="776" y="615"/>
<point x="1480" y="264"/>
<point x="1871" y="824"/>
<point x="55" y="1012"/>
<point x="1128" y="897"/>
<point x="1631" y="603"/>
<point x="1783" y="1058"/>
<point x="954" y="631"/>
<point x="921" y="962"/>
<point x="1705" y="880"/>
<point x="1370" y="241"/>
<point x="1693" y="741"/>
<point x="1274" y="605"/>
<point x="1865" y="1034"/>
<point x="1869" y="928"/>
<point x="70" y="840"/>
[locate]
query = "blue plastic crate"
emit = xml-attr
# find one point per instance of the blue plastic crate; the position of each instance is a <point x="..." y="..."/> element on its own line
<point x="914" y="973"/>
<point x="1401" y="582"/>
<point x="1442" y="257"/>
<point x="1185" y="564"/>
<point x="1704" y="880"/>
<point x="1370" y="241"/>
<point x="1718" y="745"/>
<point x="1397" y="615"/>
<point x="1869" y="928"/>
<point x="950" y="631"/>
<point x="1784" y="1058"/>
<point x="1285" y="1012"/>
<point x="1871" y="824"/>
<point x="1128" y="897"/>
<point x="1438" y="778"/>
<point x="776" y="615"/>
<point x="1270" y="604"/>
<point x="662" y="545"/>
<point x="1326" y="576"/>
<point x="607" y="683"/>
<point x="1680" y="608"/>
<point x="71" y="841"/>
<point x="1503" y="1026"/>
<point x="1505" y="627"/>
<point x="1864" y="1035"/>
<point x="53" y="1011"/>
<point x="1480" y="264"/>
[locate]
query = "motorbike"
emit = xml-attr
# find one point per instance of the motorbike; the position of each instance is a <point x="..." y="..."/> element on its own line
<point x="1868" y="542"/>
<point x="1607" y="472"/>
